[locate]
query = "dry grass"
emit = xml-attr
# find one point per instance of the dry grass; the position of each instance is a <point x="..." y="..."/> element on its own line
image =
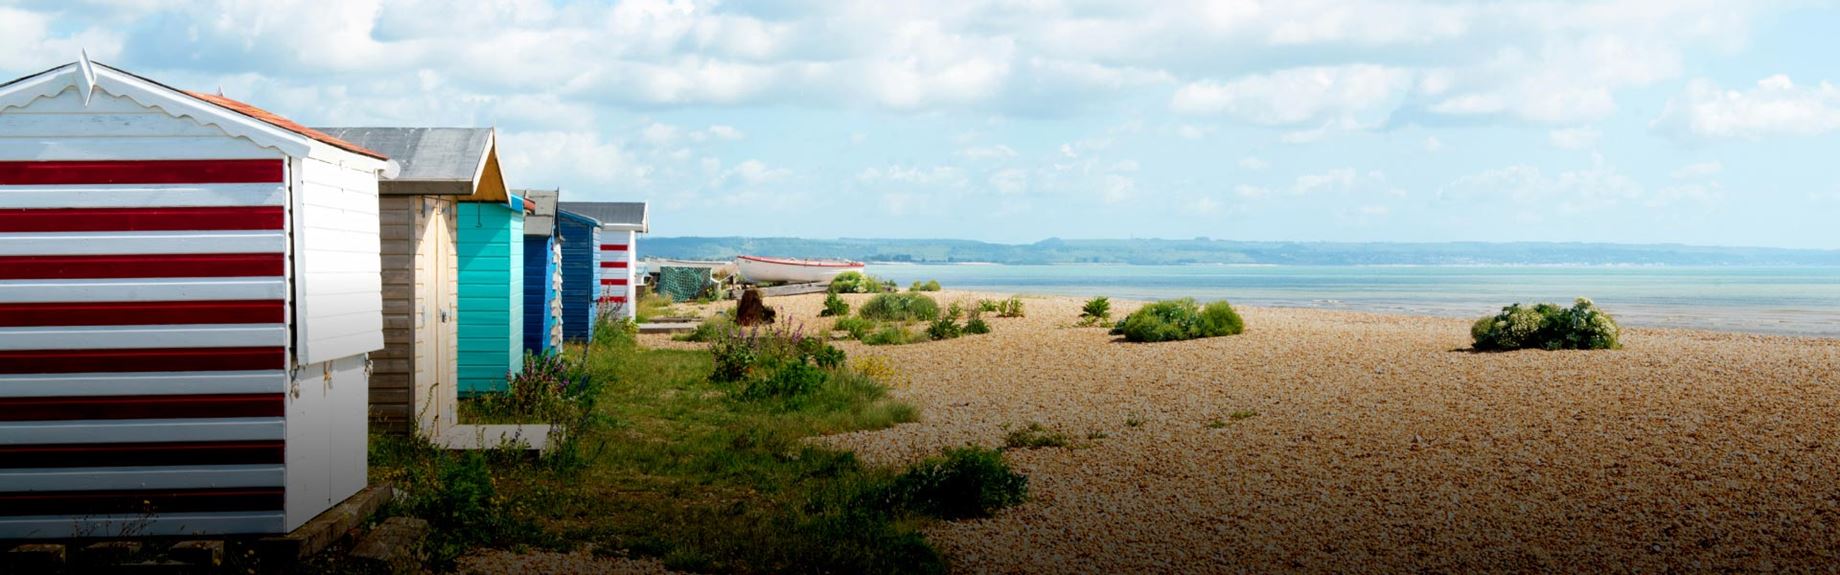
<point x="1380" y="445"/>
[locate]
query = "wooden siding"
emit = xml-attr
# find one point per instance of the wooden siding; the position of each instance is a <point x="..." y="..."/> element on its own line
<point x="338" y="291"/>
<point x="143" y="354"/>
<point x="581" y="258"/>
<point x="542" y="294"/>
<point x="491" y="258"/>
<point x="618" y="260"/>
<point x="412" y="379"/>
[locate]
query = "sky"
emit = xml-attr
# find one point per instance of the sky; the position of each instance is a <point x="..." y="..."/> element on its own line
<point x="1641" y="121"/>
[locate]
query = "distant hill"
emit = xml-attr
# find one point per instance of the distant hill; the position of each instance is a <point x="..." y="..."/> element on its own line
<point x="1207" y="251"/>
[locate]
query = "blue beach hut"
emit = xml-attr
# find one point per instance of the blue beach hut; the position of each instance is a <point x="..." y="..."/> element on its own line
<point x="542" y="274"/>
<point x="580" y="237"/>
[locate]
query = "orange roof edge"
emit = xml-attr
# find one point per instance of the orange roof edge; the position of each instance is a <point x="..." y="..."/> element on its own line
<point x="277" y="121"/>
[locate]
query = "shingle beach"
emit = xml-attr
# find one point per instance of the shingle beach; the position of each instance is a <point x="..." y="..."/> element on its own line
<point x="1345" y="442"/>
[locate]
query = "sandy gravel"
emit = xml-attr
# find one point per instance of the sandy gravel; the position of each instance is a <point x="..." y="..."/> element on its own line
<point x="1379" y="445"/>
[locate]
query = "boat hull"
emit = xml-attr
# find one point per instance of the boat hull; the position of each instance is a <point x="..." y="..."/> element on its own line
<point x="775" y="270"/>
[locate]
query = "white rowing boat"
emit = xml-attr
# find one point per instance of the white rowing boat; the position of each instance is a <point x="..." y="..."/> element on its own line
<point x="758" y="269"/>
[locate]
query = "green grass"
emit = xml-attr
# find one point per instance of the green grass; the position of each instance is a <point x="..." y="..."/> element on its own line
<point x="702" y="476"/>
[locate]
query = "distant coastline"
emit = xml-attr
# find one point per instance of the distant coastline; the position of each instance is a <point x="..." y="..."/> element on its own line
<point x="1203" y="251"/>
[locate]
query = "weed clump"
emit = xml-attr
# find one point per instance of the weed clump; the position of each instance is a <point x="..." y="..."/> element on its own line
<point x="1033" y="436"/>
<point x="1547" y="326"/>
<point x="928" y="285"/>
<point x="900" y="307"/>
<point x="1180" y="319"/>
<point x="1011" y="307"/>
<point x="1096" y="311"/>
<point x="834" y="306"/>
<point x="964" y="483"/>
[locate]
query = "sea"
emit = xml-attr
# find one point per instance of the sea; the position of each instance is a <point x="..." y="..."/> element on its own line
<point x="1803" y="301"/>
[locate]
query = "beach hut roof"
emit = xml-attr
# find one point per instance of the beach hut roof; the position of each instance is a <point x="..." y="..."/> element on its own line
<point x="630" y="216"/>
<point x="235" y="118"/>
<point x="436" y="161"/>
<point x="562" y="214"/>
<point x="542" y="218"/>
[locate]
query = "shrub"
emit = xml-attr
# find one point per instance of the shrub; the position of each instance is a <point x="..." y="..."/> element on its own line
<point x="900" y="307"/>
<point x="987" y="305"/>
<point x="1096" y="310"/>
<point x="1011" y="307"/>
<point x="893" y="334"/>
<point x="945" y="328"/>
<point x="1547" y="326"/>
<point x="966" y="482"/>
<point x="977" y="326"/>
<point x="928" y="285"/>
<point x="790" y="380"/>
<point x="855" y="282"/>
<point x="856" y="326"/>
<point x="834" y="306"/>
<point x="1172" y="320"/>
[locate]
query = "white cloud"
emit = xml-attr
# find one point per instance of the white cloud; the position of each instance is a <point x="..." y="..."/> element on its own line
<point x="1571" y="191"/>
<point x="1251" y="192"/>
<point x="1776" y="106"/>
<point x="1342" y="180"/>
<point x="1354" y="96"/>
<point x="997" y="152"/>
<point x="1254" y="163"/>
<point x="1433" y="144"/>
<point x="545" y="159"/>
<point x="1574" y="138"/>
<point x="1010" y="182"/>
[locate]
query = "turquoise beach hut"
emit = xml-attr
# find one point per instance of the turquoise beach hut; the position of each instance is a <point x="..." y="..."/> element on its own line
<point x="580" y="237"/>
<point x="542" y="274"/>
<point x="490" y="242"/>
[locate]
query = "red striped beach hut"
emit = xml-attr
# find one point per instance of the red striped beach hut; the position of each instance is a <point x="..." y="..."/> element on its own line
<point x="189" y="287"/>
<point x="621" y="224"/>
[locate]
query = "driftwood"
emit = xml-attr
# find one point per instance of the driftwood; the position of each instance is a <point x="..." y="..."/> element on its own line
<point x="752" y="309"/>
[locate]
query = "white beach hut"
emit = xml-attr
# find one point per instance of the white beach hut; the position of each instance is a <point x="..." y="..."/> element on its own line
<point x="189" y="287"/>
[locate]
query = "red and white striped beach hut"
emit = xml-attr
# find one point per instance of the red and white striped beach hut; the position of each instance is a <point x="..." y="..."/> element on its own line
<point x="189" y="287"/>
<point x="621" y="224"/>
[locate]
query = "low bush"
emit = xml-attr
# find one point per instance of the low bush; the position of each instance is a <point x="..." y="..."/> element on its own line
<point x="1011" y="307"/>
<point x="900" y="307"/>
<point x="965" y="483"/>
<point x="945" y="328"/>
<point x="1096" y="310"/>
<point x="894" y="334"/>
<point x="857" y="327"/>
<point x="928" y="285"/>
<point x="987" y="305"/>
<point x="1172" y="320"/>
<point x="1547" y="326"/>
<point x="977" y="326"/>
<point x="834" y="306"/>
<point x="855" y="282"/>
<point x="789" y="380"/>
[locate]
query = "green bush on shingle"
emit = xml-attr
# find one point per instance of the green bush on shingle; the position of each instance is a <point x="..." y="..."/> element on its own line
<point x="1180" y="319"/>
<point x="1547" y="326"/>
